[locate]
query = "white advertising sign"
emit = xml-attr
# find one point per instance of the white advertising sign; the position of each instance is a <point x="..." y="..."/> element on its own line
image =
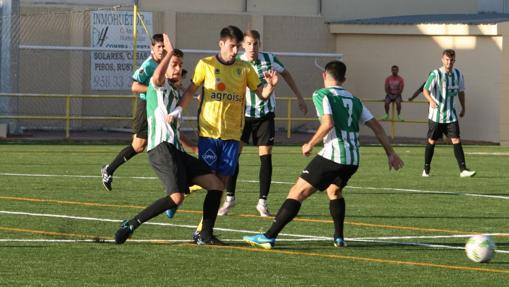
<point x="112" y="70"/>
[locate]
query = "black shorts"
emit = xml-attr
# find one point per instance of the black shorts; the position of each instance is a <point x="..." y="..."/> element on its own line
<point x="321" y="173"/>
<point x="261" y="130"/>
<point x="140" y="125"/>
<point x="175" y="168"/>
<point x="436" y="130"/>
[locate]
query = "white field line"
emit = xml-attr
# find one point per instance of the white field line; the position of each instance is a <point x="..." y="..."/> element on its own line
<point x="131" y="240"/>
<point x="300" y="237"/>
<point x="404" y="190"/>
<point x="280" y="182"/>
<point x="150" y="223"/>
<point x="166" y="241"/>
<point x="428" y="236"/>
<point x="489" y="153"/>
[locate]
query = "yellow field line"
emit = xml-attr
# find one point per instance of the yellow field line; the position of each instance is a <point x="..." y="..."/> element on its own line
<point x="362" y="224"/>
<point x="366" y="259"/>
<point x="83" y="203"/>
<point x="365" y="224"/>
<point x="285" y="252"/>
<point x="406" y="227"/>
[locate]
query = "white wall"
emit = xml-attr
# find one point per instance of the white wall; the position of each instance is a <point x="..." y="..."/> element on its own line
<point x="370" y="56"/>
<point x="333" y="10"/>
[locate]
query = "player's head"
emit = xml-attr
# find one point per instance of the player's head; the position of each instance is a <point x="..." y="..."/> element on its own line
<point x="174" y="70"/>
<point x="230" y="39"/>
<point x="251" y="44"/>
<point x="448" y="59"/>
<point x="157" y="49"/>
<point x="394" y="70"/>
<point x="334" y="73"/>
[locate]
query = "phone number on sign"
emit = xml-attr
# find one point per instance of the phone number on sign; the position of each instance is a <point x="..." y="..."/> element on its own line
<point x="110" y="82"/>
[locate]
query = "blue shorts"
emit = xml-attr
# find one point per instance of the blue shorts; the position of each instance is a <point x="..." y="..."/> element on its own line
<point x="220" y="155"/>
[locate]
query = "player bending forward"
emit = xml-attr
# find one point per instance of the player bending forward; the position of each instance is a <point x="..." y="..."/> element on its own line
<point x="340" y="114"/>
<point x="176" y="169"/>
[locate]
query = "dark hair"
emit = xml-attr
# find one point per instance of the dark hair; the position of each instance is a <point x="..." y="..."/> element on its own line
<point x="253" y="34"/>
<point x="177" y="53"/>
<point x="449" y="53"/>
<point x="394" y="66"/>
<point x="157" y="38"/>
<point x="231" y="32"/>
<point x="336" y="69"/>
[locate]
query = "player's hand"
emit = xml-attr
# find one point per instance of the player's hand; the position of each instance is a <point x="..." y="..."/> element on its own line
<point x="168" y="119"/>
<point x="306" y="149"/>
<point x="271" y="77"/>
<point x="194" y="149"/>
<point x="168" y="46"/>
<point x="462" y="112"/>
<point x="175" y="114"/>
<point x="395" y="162"/>
<point x="302" y="106"/>
<point x="433" y="105"/>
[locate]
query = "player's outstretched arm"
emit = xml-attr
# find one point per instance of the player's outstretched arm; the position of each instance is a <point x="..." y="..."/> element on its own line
<point x="326" y="124"/>
<point x="394" y="160"/>
<point x="158" y="77"/>
<point x="272" y="79"/>
<point x="183" y="103"/>
<point x="291" y="83"/>
<point x="415" y="95"/>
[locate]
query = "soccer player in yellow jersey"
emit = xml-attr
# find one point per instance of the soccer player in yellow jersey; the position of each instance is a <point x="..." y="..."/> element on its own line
<point x="221" y="115"/>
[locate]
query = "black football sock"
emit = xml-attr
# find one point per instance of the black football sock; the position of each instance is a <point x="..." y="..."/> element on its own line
<point x="265" y="175"/>
<point x="124" y="155"/>
<point x="460" y="156"/>
<point x="286" y="213"/>
<point x="428" y="156"/>
<point x="337" y="211"/>
<point x="231" y="185"/>
<point x="157" y="207"/>
<point x="210" y="208"/>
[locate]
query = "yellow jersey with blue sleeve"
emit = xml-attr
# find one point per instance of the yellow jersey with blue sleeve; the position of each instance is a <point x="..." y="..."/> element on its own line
<point x="221" y="112"/>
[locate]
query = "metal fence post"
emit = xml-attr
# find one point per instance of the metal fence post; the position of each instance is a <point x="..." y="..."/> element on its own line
<point x="67" y="116"/>
<point x="289" y="127"/>
<point x="393" y="120"/>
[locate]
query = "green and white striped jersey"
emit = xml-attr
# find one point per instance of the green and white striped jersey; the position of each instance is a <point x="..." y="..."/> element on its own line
<point x="255" y="107"/>
<point x="143" y="74"/>
<point x="160" y="102"/>
<point x="443" y="88"/>
<point x="341" y="144"/>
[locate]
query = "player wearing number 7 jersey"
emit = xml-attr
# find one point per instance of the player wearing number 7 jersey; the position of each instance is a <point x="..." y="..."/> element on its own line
<point x="340" y="114"/>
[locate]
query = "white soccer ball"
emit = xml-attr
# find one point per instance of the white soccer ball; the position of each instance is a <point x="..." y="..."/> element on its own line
<point x="480" y="248"/>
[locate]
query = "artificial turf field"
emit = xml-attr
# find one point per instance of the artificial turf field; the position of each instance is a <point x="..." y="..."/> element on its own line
<point x="57" y="222"/>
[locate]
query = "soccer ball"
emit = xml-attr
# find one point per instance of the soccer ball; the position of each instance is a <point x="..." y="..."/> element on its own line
<point x="480" y="248"/>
